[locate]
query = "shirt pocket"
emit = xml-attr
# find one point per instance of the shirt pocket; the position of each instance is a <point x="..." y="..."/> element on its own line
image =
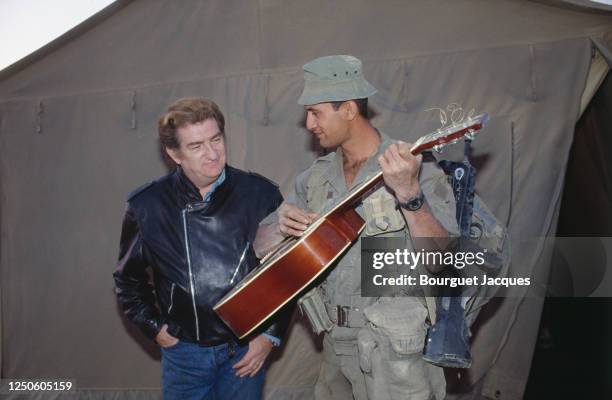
<point x="381" y="213"/>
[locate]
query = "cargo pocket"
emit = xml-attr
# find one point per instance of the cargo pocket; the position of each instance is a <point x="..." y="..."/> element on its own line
<point x="366" y="344"/>
<point x="381" y="213"/>
<point x="398" y="325"/>
<point x="313" y="306"/>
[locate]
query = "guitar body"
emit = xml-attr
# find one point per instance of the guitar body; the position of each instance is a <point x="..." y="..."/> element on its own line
<point x="273" y="284"/>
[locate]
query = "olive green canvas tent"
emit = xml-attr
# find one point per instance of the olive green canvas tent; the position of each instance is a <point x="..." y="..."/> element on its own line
<point x="78" y="132"/>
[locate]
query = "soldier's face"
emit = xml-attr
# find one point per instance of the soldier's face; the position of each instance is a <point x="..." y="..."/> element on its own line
<point x="201" y="152"/>
<point x="328" y="125"/>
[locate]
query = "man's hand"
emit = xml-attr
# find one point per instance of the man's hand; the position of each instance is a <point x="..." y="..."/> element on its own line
<point x="164" y="339"/>
<point x="292" y="221"/>
<point x="401" y="170"/>
<point x="253" y="360"/>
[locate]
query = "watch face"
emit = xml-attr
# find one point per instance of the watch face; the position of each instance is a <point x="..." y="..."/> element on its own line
<point x="414" y="203"/>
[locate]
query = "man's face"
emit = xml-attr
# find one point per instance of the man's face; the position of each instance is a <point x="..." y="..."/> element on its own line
<point x="201" y="152"/>
<point x="328" y="125"/>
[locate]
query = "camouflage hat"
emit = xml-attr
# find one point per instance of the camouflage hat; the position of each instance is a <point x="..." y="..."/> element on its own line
<point x="334" y="78"/>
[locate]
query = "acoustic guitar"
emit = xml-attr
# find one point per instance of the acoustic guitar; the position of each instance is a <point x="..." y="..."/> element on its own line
<point x="297" y="262"/>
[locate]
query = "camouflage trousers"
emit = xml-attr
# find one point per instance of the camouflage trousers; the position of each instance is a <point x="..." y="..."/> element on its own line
<point x="379" y="362"/>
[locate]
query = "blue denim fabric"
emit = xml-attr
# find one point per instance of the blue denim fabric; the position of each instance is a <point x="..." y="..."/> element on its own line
<point x="190" y="371"/>
<point x="447" y="343"/>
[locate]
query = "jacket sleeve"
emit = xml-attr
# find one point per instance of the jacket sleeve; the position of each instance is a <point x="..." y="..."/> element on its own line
<point x="134" y="291"/>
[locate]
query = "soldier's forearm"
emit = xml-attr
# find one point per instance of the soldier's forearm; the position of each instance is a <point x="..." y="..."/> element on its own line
<point x="427" y="233"/>
<point x="266" y="239"/>
<point x="422" y="223"/>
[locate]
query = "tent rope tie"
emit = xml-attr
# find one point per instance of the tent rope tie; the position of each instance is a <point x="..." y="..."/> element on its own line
<point x="39" y="115"/>
<point x="133" y="108"/>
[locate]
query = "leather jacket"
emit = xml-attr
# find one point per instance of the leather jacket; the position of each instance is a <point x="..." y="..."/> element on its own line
<point x="197" y="252"/>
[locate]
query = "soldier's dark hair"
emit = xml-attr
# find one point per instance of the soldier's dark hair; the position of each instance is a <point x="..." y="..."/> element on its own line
<point x="362" y="106"/>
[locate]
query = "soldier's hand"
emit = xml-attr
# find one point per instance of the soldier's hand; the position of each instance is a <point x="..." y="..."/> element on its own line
<point x="254" y="359"/>
<point x="164" y="339"/>
<point x="293" y="221"/>
<point x="401" y="170"/>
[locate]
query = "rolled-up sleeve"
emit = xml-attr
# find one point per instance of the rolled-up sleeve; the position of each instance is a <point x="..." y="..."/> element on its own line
<point x="297" y="197"/>
<point x="439" y="196"/>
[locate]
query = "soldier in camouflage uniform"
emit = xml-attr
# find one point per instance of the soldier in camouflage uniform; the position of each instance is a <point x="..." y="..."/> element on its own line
<point x="372" y="347"/>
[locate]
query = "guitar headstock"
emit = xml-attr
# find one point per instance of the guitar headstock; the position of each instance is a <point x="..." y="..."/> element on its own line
<point x="449" y="135"/>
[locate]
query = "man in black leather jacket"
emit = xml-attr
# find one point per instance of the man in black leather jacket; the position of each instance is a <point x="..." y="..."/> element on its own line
<point x="195" y="228"/>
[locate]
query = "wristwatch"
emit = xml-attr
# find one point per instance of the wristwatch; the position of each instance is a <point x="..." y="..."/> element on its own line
<point x="414" y="203"/>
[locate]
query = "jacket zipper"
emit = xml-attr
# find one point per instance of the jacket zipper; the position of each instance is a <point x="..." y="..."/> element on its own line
<point x="191" y="285"/>
<point x="239" y="263"/>
<point x="171" y="297"/>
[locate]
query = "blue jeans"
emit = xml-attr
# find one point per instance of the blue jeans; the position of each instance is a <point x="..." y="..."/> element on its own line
<point x="190" y="371"/>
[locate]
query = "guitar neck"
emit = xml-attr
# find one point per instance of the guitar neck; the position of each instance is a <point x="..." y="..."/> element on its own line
<point x="373" y="184"/>
<point x="435" y="140"/>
